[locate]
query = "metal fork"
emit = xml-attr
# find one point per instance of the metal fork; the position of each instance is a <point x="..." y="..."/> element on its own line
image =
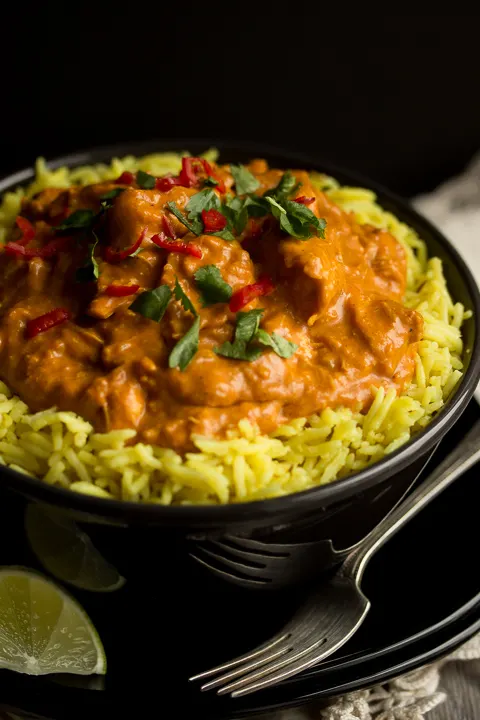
<point x="334" y="611"/>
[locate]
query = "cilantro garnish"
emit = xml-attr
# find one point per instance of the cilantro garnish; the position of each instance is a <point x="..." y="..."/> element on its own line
<point x="90" y="271"/>
<point x="186" y="347"/>
<point x="145" y="180"/>
<point x="248" y="337"/>
<point x="280" y="345"/>
<point x="78" y="220"/>
<point x="152" y="304"/>
<point x="212" y="286"/>
<point x="184" y="299"/>
<point x="245" y="182"/>
<point x="195" y="226"/>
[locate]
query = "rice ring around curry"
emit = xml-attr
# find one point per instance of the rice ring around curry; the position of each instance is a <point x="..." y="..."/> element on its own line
<point x="182" y="332"/>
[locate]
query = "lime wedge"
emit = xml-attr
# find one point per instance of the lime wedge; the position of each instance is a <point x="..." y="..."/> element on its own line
<point x="67" y="552"/>
<point x="43" y="630"/>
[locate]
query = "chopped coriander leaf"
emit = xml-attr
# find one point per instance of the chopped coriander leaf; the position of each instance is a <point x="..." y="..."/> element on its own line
<point x="90" y="271"/>
<point x="284" y="188"/>
<point x="236" y="212"/>
<point x="302" y="222"/>
<point x="195" y="226"/>
<point x="112" y="194"/>
<point x="280" y="345"/>
<point x="276" y="209"/>
<point x="245" y="182"/>
<point x="257" y="206"/>
<point x="210" y="181"/>
<point x="145" y="180"/>
<point x="224" y="234"/>
<point x="184" y="299"/>
<point x="206" y="199"/>
<point x="212" y="286"/>
<point x="296" y="219"/>
<point x="238" y="351"/>
<point x="78" y="220"/>
<point x="153" y="303"/>
<point x="247" y="325"/>
<point x="186" y="347"/>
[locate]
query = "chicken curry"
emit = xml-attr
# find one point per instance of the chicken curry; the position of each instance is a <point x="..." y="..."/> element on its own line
<point x="183" y="304"/>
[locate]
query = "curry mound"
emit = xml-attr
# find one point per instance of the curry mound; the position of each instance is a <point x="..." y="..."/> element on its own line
<point x="178" y="331"/>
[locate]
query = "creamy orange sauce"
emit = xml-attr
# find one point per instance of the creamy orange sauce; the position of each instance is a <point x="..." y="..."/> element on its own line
<point x="339" y="299"/>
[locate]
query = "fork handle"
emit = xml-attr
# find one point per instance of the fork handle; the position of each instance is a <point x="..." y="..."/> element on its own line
<point x="466" y="454"/>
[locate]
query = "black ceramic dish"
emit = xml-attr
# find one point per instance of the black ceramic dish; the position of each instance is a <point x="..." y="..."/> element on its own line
<point x="342" y="512"/>
<point x="425" y="602"/>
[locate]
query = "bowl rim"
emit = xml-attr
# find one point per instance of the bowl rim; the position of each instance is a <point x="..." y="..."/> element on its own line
<point x="322" y="495"/>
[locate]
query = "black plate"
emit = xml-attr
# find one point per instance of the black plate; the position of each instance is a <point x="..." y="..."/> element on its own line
<point x="425" y="602"/>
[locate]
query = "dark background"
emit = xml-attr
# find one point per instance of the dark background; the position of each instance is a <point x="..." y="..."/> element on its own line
<point x="394" y="96"/>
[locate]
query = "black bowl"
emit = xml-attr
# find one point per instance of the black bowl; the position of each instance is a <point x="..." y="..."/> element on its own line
<point x="341" y="513"/>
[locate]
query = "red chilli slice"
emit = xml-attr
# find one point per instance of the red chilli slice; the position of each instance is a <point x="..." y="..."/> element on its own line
<point x="47" y="321"/>
<point x="114" y="256"/>
<point x="188" y="177"/>
<point x="304" y="200"/>
<point x="121" y="290"/>
<point x="168" y="228"/>
<point x="47" y="251"/>
<point x="28" y="231"/>
<point x="213" y="220"/>
<point x="211" y="173"/>
<point x="164" y="184"/>
<point x="126" y="178"/>
<point x="176" y="246"/>
<point x="245" y="295"/>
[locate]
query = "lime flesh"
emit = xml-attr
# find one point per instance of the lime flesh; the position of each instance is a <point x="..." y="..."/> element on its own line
<point x="43" y="630"/>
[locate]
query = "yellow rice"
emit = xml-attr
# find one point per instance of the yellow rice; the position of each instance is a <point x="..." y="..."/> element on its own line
<point x="63" y="450"/>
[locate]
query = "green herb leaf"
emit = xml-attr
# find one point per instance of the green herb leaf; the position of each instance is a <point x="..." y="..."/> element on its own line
<point x="145" y="180"/>
<point x="184" y="299"/>
<point x="152" y="303"/>
<point x="236" y="212"/>
<point x="204" y="200"/>
<point x="238" y="351"/>
<point x="301" y="222"/>
<point x="90" y="271"/>
<point x="210" y="181"/>
<point x="257" y="206"/>
<point x="195" y="226"/>
<point x="280" y="345"/>
<point x="212" y="286"/>
<point x="245" y="182"/>
<point x="276" y="209"/>
<point x="284" y="188"/>
<point x="78" y="220"/>
<point x="225" y="234"/>
<point x="247" y="325"/>
<point x="112" y="194"/>
<point x="296" y="219"/>
<point x="186" y="347"/>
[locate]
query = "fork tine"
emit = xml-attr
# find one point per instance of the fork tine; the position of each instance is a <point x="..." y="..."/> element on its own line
<point x="259" y="546"/>
<point x="256" y="558"/>
<point x="259" y="650"/>
<point x="288" y="662"/>
<point x="242" y="669"/>
<point x="303" y="663"/>
<point x="224" y="575"/>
